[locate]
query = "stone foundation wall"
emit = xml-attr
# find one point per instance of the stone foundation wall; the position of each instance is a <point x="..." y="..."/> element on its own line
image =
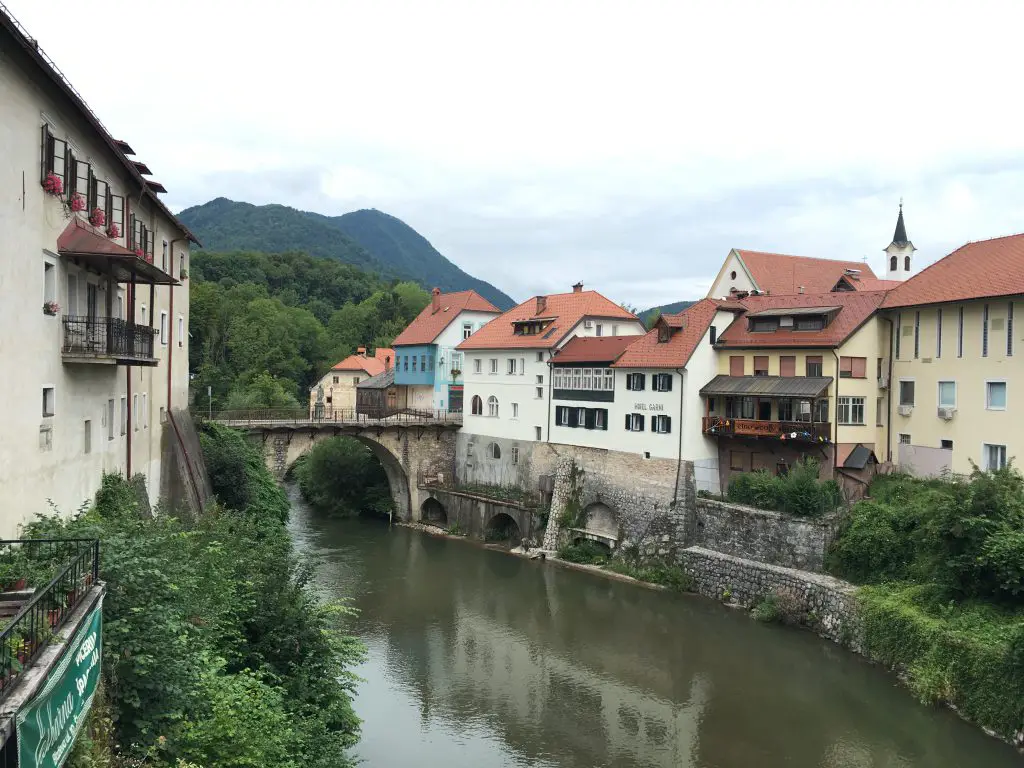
<point x="829" y="604"/>
<point x="474" y="514"/>
<point x="758" y="534"/>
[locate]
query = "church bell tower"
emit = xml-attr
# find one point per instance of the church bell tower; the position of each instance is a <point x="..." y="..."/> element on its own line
<point x="899" y="255"/>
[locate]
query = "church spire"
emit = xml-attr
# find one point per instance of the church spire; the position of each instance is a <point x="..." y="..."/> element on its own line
<point x="899" y="252"/>
<point x="900" y="235"/>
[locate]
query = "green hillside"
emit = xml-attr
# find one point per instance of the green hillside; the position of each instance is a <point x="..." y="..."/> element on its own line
<point x="366" y="239"/>
<point x="665" y="309"/>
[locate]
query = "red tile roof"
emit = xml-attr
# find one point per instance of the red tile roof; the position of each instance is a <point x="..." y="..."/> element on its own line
<point x="593" y="349"/>
<point x="647" y="352"/>
<point x="431" y="321"/>
<point x="855" y="307"/>
<point x="985" y="269"/>
<point x="566" y="310"/>
<point x="779" y="274"/>
<point x="371" y="365"/>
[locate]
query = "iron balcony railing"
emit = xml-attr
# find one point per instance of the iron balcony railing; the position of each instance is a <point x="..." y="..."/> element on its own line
<point x="64" y="570"/>
<point x="340" y="416"/>
<point x="803" y="431"/>
<point x="107" y="337"/>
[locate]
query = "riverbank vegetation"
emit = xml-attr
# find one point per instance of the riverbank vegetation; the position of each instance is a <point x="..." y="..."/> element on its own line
<point x="215" y="651"/>
<point x="943" y="565"/>
<point x="265" y="327"/>
<point x="341" y="477"/>
<point x="798" y="492"/>
<point x="659" y="572"/>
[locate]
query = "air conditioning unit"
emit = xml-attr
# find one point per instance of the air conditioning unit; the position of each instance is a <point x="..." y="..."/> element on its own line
<point x="588" y="323"/>
<point x="905" y="410"/>
<point x="946" y="413"/>
<point x="883" y="382"/>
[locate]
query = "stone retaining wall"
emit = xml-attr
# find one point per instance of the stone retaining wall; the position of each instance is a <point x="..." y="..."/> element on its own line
<point x="759" y="534"/>
<point x="829" y="604"/>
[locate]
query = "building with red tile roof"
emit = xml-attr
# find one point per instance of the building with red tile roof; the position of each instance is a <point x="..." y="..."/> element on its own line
<point x="673" y="339"/>
<point x="779" y="274"/>
<point x="593" y="349"/>
<point x="360" y="361"/>
<point x="441" y="312"/>
<point x="336" y="390"/>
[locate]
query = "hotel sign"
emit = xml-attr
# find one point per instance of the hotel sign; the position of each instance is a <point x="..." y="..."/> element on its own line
<point x="650" y="407"/>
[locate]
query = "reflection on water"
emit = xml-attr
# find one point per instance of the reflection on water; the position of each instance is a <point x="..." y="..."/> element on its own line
<point x="480" y="659"/>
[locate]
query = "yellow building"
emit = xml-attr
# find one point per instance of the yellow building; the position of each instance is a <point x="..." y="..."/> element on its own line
<point x="335" y="394"/>
<point x="956" y="360"/>
<point x="800" y="376"/>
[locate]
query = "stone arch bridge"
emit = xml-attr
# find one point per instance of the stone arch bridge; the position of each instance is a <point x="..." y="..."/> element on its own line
<point x="415" y="449"/>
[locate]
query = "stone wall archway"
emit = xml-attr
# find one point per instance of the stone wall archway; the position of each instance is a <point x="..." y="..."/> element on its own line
<point x="433" y="512"/>
<point x="503" y="527"/>
<point x="601" y="519"/>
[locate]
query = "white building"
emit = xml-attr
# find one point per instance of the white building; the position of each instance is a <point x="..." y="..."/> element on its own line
<point x="508" y="392"/>
<point x="93" y="296"/>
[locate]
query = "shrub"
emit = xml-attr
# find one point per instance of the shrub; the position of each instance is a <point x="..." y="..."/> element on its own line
<point x="653" y="572"/>
<point x="875" y="542"/>
<point x="781" y="606"/>
<point x="799" y="492"/>
<point x="341" y="477"/>
<point x="585" y="551"/>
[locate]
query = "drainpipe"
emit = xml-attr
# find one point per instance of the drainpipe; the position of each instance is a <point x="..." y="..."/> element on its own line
<point x="551" y="391"/>
<point x="679" y="457"/>
<point x="888" y="395"/>
<point x="835" y="440"/>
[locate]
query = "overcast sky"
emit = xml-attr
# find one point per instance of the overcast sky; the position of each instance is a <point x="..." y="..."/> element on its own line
<point x="625" y="144"/>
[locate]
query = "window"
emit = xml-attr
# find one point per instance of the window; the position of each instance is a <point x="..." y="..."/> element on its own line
<point x="899" y="330"/>
<point x="135" y="410"/>
<point x="110" y="419"/>
<point x="1009" y="329"/>
<point x="938" y="333"/>
<point x="414" y="360"/>
<point x="984" y="331"/>
<point x="55" y="154"/>
<point x="904" y="438"/>
<point x="540" y="378"/>
<point x="821" y="410"/>
<point x="515" y="454"/>
<point x="494" y="365"/>
<point x="995" y="456"/>
<point x="355" y="381"/>
<point x="763" y="324"/>
<point x="124" y="415"/>
<point x="814" y="366"/>
<point x="634" y="422"/>
<point x="49" y="282"/>
<point x="492" y="406"/>
<point x="661" y="424"/>
<point x="48" y="401"/>
<point x="511" y="366"/>
<point x="947" y="394"/>
<point x="600" y="418"/>
<point x="879" y="411"/>
<point x="119" y="306"/>
<point x="892" y="264"/>
<point x="540" y="393"/>
<point x="72" y="307"/>
<point x="785" y="410"/>
<point x="960" y="333"/>
<point x="88" y="436"/>
<point x="477" y="406"/>
<point x="181" y="266"/>
<point x="906" y="393"/>
<point x="607" y="380"/>
<point x="581" y="417"/>
<point x="142" y="315"/>
<point x="493" y="451"/>
<point x="522" y="366"/>
<point x="760" y="365"/>
<point x="163" y="258"/>
<point x="515" y="410"/>
<point x="163" y="328"/>
<point x="851" y="410"/>
<point x="878" y="368"/>
<point x="906" y="263"/>
<point x="995" y="395"/>
<point x="467" y="330"/>
<point x="537" y="434"/>
<point x="661" y="382"/>
<point x="598" y="330"/>
<point x="917" y="334"/>
<point x="540" y="357"/>
<point x="115" y="213"/>
<point x="477" y="365"/>
<point x="145" y="411"/>
<point x="635" y="381"/>
<point x="562" y="416"/>
<point x="336" y="379"/>
<point x="853" y="367"/>
<point x="787" y="365"/>
<point x="576" y="378"/>
<point x="736" y="365"/>
<point x="181" y="330"/>
<point x="809" y="322"/>
<point x="737" y="460"/>
<point x="714" y="334"/>
<point x="946" y="445"/>
<point x="588" y="378"/>
<point x="163" y="414"/>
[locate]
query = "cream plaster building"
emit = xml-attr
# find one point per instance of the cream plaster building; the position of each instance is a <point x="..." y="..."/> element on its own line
<point x="94" y="338"/>
<point x="335" y="393"/>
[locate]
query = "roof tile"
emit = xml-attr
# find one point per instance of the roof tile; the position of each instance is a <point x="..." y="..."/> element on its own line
<point x="781" y="274"/>
<point x="593" y="349"/>
<point x="647" y="352"/>
<point x="430" y="322"/>
<point x="371" y="365"/>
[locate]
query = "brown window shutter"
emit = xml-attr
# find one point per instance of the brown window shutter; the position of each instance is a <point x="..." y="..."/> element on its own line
<point x="860" y="367"/>
<point x="736" y="365"/>
<point x="760" y="363"/>
<point x="787" y="365"/>
<point x="845" y="365"/>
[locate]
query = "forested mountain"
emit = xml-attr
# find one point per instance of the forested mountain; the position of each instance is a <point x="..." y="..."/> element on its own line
<point x="367" y="239"/>
<point x="664" y="309"/>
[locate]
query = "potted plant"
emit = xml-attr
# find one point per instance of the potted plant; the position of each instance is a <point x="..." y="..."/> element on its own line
<point x="183" y="275"/>
<point x="51" y="308"/>
<point x="139" y="253"/>
<point x="456" y="373"/>
<point x="97" y="218"/>
<point x="76" y="203"/>
<point x="53" y="185"/>
<point x="113" y="231"/>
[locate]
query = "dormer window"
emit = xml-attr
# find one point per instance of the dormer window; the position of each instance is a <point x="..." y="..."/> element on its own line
<point x="764" y="324"/>
<point x="530" y="327"/>
<point x="809" y="322"/>
<point x="664" y="333"/>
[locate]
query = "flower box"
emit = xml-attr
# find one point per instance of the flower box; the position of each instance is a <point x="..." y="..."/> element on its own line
<point x="113" y="231"/>
<point x="51" y="308"/>
<point x="77" y="203"/>
<point x="53" y="185"/>
<point x="97" y="218"/>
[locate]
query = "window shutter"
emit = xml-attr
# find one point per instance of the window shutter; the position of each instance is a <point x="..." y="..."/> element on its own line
<point x="69" y="186"/>
<point x="668" y="382"/>
<point x="643" y="380"/>
<point x="90" y="198"/>
<point x="572" y="418"/>
<point x="860" y="367"/>
<point x="736" y="365"/>
<point x="787" y="365"/>
<point x="629" y="385"/>
<point x="668" y="423"/>
<point x="641" y="423"/>
<point x="628" y="423"/>
<point x="591" y="417"/>
<point x="46" y="155"/>
<point x="604" y="420"/>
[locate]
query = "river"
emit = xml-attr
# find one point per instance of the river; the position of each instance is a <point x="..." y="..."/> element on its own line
<point x="480" y="659"/>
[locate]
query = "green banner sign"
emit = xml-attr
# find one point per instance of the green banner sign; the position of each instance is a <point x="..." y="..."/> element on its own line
<point x="47" y="725"/>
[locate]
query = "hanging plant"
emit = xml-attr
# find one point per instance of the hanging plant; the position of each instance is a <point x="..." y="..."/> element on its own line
<point x="139" y="253"/>
<point x="183" y="275"/>
<point x="97" y="218"/>
<point x="53" y="185"/>
<point x="51" y="308"/>
<point x="77" y="203"/>
<point x="113" y="231"/>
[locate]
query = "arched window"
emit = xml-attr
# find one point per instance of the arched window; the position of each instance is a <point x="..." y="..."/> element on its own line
<point x="493" y="451"/>
<point x="492" y="406"/>
<point x="478" y="406"/>
<point x="892" y="264"/>
<point x="906" y="263"/>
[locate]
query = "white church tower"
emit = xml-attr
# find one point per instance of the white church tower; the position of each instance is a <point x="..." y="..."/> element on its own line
<point x="899" y="254"/>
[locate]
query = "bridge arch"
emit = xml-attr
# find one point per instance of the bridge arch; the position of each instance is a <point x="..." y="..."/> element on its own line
<point x="432" y="511"/>
<point x="503" y="527"/>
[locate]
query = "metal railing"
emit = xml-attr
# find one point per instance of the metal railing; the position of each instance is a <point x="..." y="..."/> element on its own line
<point x="107" y="337"/>
<point x="74" y="564"/>
<point x="803" y="430"/>
<point x="340" y="416"/>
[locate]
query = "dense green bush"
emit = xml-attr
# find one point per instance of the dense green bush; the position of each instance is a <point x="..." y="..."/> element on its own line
<point x="585" y="551"/>
<point x="341" y="477"/>
<point x="653" y="572"/>
<point x="237" y="474"/>
<point x="798" y="492"/>
<point x="780" y="606"/>
<point x="215" y="652"/>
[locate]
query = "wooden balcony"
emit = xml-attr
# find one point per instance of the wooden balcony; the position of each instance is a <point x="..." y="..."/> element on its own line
<point x="797" y="431"/>
<point x="107" y="340"/>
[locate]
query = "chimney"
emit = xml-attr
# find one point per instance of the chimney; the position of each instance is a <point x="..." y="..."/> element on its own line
<point x="361" y="351"/>
<point x="435" y="300"/>
<point x="578" y="288"/>
<point x="542" y="304"/>
<point x="387" y="362"/>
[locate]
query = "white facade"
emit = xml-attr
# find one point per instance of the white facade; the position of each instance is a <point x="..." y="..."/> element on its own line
<point x="732" y="275"/>
<point x="448" y="358"/>
<point x="69" y="422"/>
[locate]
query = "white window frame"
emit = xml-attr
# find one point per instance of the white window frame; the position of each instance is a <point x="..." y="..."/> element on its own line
<point x="145" y="410"/>
<point x="181" y="330"/>
<point x="984" y="455"/>
<point x="124" y="415"/>
<point x="600" y="418"/>
<point x="938" y="393"/>
<point x="478" y="365"/>
<point x="515" y="411"/>
<point x="634" y="422"/>
<point x="846" y="406"/>
<point x="135" y="411"/>
<point x="492" y="406"/>
<point x="53" y="400"/>
<point x="49" y="279"/>
<point x="522" y="366"/>
<point x="899" y="392"/>
<point x="494" y="366"/>
<point x="467" y="330"/>
<point x="660" y="424"/>
<point x="900" y="439"/>
<point x="512" y="366"/>
<point x="514" y="454"/>
<point x="108" y="416"/>
<point x="1006" y="395"/>
<point x="598" y="329"/>
<point x="163" y="328"/>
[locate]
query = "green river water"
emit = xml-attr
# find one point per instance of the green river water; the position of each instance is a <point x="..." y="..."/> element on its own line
<point x="481" y="659"/>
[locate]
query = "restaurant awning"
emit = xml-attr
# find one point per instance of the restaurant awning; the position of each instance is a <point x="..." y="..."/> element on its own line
<point x="80" y="242"/>
<point x="768" y="386"/>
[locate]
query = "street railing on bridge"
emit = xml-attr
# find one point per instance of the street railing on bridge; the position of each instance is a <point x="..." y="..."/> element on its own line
<point x="303" y="417"/>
